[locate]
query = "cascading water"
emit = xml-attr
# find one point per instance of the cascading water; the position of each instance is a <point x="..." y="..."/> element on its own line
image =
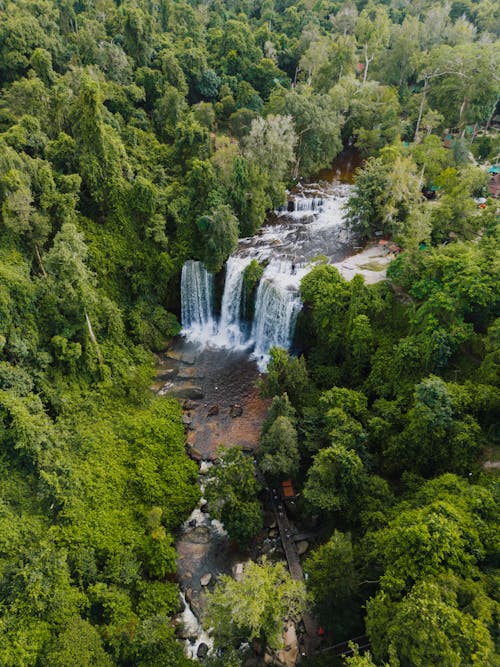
<point x="312" y="226"/>
<point x="277" y="305"/>
<point x="303" y="204"/>
<point x="197" y="302"/>
<point x="231" y="331"/>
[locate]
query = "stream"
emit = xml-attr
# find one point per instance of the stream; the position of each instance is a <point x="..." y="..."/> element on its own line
<point x="214" y="365"/>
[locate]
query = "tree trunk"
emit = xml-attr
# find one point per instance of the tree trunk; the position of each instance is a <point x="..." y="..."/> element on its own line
<point x="367" y="62"/>
<point x="93" y="338"/>
<point x="492" y="115"/>
<point x="462" y="109"/>
<point x="42" y="268"/>
<point x="421" y="109"/>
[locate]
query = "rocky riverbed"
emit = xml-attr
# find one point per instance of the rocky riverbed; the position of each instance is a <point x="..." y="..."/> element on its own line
<point x="219" y="393"/>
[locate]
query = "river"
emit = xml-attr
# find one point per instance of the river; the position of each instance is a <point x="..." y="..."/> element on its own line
<point x="214" y="365"/>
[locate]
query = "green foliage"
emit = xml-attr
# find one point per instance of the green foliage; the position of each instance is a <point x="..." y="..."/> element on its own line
<point x="231" y="490"/>
<point x="334" y="479"/>
<point x="333" y="581"/>
<point x="279" y="452"/>
<point x="123" y="125"/>
<point x="220" y="235"/>
<point x="253" y="608"/>
<point x="251" y="279"/>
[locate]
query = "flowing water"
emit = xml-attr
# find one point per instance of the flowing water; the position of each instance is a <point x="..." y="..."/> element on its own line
<point x="197" y="287"/>
<point x="311" y="228"/>
<point x="216" y="356"/>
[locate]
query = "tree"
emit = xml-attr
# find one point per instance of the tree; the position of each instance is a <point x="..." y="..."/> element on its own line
<point x="231" y="489"/>
<point x="279" y="451"/>
<point x="102" y="157"/>
<point x="317" y="127"/>
<point x="372" y="33"/>
<point x="254" y="607"/>
<point x="286" y="374"/>
<point x="78" y="645"/>
<point x="220" y="234"/>
<point x="402" y="630"/>
<point x="333" y="582"/>
<point x="334" y="480"/>
<point x="270" y="146"/>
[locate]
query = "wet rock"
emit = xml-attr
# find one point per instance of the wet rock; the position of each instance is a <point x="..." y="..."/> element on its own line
<point x="189" y="405"/>
<point x="269" y="520"/>
<point x="205" y="579"/>
<point x="194" y="453"/>
<point x="213" y="410"/>
<point x="204" y="508"/>
<point x="289" y="654"/>
<point x="267" y="547"/>
<point x="197" y="605"/>
<point x="190" y="391"/>
<point x="187" y="421"/>
<point x="238" y="571"/>
<point x="190" y="373"/>
<point x="202" y="651"/>
<point x="165" y="374"/>
<point x="186" y="356"/>
<point x="184" y="631"/>
<point x="189" y="593"/>
<point x="274" y="532"/>
<point x="302" y="547"/>
<point x="180" y="605"/>
<point x="200" y="535"/>
<point x="235" y="410"/>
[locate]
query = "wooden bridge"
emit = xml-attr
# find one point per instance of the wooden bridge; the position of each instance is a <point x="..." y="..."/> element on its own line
<point x="288" y="540"/>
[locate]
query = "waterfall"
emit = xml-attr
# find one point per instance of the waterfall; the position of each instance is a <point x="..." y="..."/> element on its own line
<point x="276" y="308"/>
<point x="197" y="301"/>
<point x="231" y="330"/>
<point x="307" y="203"/>
<point x="312" y="226"/>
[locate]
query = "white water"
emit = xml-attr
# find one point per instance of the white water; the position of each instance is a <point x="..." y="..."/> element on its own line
<point x="289" y="248"/>
<point x="230" y="332"/>
<point x="277" y="305"/>
<point x="195" y="630"/>
<point x="197" y="301"/>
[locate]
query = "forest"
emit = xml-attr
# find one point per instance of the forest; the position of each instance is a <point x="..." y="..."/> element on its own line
<point x="138" y="134"/>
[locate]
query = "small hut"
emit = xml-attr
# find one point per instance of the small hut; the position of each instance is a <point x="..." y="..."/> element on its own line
<point x="287" y="490"/>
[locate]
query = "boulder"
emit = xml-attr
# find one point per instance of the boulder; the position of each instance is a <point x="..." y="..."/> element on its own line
<point x="213" y="410"/>
<point x="202" y="651"/>
<point x="187" y="421"/>
<point x="302" y="547"/>
<point x="194" y="453"/>
<point x="190" y="373"/>
<point x="235" y="410"/>
<point x="186" y="356"/>
<point x="288" y="656"/>
<point x="274" y="532"/>
<point x="238" y="571"/>
<point x="185" y="391"/>
<point x="184" y="631"/>
<point x="269" y="520"/>
<point x="205" y="579"/>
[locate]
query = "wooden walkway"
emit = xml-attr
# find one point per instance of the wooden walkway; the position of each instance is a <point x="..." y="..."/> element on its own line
<point x="312" y="640"/>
